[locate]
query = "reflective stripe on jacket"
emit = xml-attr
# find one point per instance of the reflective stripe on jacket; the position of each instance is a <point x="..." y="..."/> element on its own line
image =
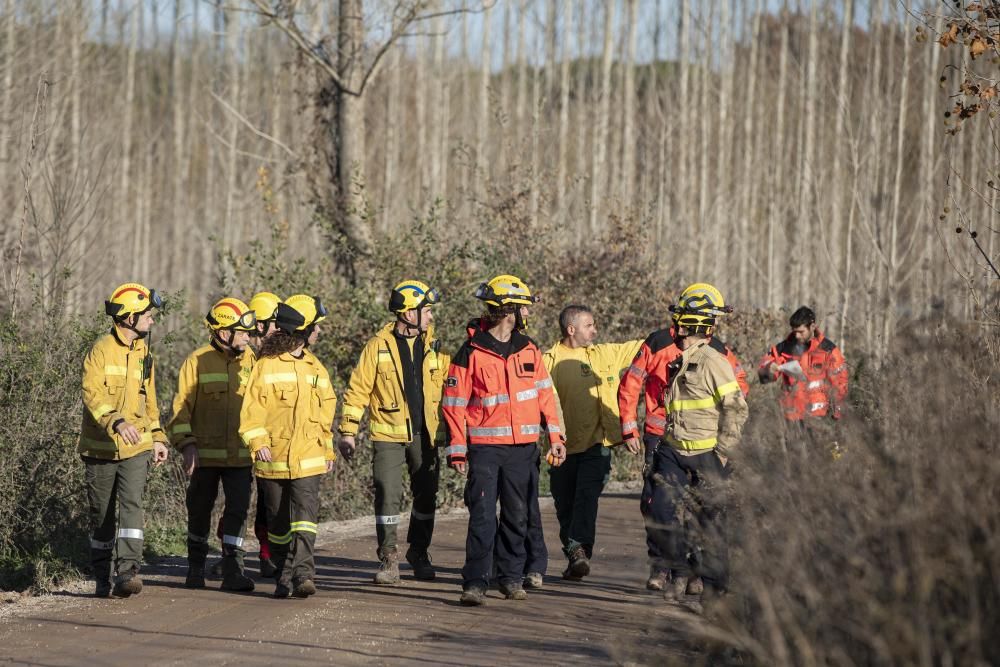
<point x="492" y="400"/>
<point x="648" y="376"/>
<point x="118" y="384"/>
<point x="376" y="385"/>
<point x="289" y="407"/>
<point x="705" y="406"/>
<point x="825" y="387"/>
<point x="210" y="388"/>
<point x="586" y="383"/>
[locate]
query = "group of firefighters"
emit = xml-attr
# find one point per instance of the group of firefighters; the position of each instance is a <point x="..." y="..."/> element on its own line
<point x="255" y="402"/>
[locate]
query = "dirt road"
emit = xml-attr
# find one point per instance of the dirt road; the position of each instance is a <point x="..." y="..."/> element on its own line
<point x="608" y="618"/>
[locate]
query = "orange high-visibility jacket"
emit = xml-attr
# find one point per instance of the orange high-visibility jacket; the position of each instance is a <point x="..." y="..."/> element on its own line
<point x="825" y="387"/>
<point x="649" y="375"/>
<point x="490" y="399"/>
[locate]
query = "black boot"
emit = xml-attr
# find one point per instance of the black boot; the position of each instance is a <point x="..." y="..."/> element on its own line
<point x="233" y="577"/>
<point x="195" y="575"/>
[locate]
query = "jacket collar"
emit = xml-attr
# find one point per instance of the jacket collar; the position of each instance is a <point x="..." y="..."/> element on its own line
<point x="387" y="333"/>
<point x="814" y="342"/>
<point x="484" y="341"/>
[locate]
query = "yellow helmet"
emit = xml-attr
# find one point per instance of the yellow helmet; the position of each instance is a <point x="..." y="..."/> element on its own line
<point x="231" y="313"/>
<point x="698" y="306"/>
<point x="410" y="295"/>
<point x="131" y="298"/>
<point x="505" y="289"/>
<point x="264" y="305"/>
<point x="298" y="312"/>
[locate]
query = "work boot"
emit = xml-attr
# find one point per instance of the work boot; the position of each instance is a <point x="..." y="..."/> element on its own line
<point x="695" y="586"/>
<point x="233" y="577"/>
<point x="677" y="590"/>
<point x="658" y="578"/>
<point x="420" y="561"/>
<point x="267" y="568"/>
<point x="388" y="571"/>
<point x="281" y="590"/>
<point x="513" y="591"/>
<point x="579" y="564"/>
<point x="474" y="596"/>
<point x="534" y="580"/>
<point x="127" y="584"/>
<point x="304" y="589"/>
<point x="216" y="569"/>
<point x="195" y="576"/>
<point x="103" y="588"/>
<point x="568" y="575"/>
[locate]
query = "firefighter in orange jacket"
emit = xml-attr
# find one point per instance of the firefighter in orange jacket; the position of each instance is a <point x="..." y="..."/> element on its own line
<point x="648" y="376"/>
<point x="497" y="397"/>
<point x="811" y="369"/>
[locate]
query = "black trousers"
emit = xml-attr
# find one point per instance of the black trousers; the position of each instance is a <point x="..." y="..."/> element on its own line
<point x="504" y="473"/>
<point x="689" y="499"/>
<point x="292" y="512"/>
<point x="201" y="493"/>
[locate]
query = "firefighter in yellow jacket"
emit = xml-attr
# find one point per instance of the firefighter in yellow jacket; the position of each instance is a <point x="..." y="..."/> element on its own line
<point x="286" y="423"/>
<point x="205" y="429"/>
<point x="586" y="377"/>
<point x="706" y="411"/>
<point x="120" y="437"/>
<point x="399" y="379"/>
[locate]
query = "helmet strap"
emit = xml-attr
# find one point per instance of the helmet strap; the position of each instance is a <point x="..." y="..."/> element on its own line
<point x="409" y="329"/>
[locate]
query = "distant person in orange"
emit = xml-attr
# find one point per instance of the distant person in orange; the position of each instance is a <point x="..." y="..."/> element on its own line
<point x="811" y="369"/>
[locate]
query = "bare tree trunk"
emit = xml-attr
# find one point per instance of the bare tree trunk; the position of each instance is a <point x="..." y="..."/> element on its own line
<point x="178" y="255"/>
<point x="799" y="261"/>
<point x="564" y="85"/>
<point x="10" y="37"/>
<point x="839" y="223"/>
<point x="391" y="152"/>
<point x="750" y="152"/>
<point x="584" y="97"/>
<point x="628" y="104"/>
<point x="774" y="204"/>
<point x="420" y="104"/>
<point x="439" y="135"/>
<point x="597" y="176"/>
<point x="232" y="27"/>
<point x="893" y="265"/>
<point x="522" y="73"/>
<point x="350" y="139"/>
<point x="685" y="187"/>
<point x="483" y="120"/>
<point x="704" y="86"/>
<point x="126" y="210"/>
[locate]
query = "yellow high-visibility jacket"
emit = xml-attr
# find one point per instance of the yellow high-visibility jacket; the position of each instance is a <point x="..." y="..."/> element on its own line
<point x="289" y="407"/>
<point x="705" y="407"/>
<point x="118" y="384"/>
<point x="377" y="384"/>
<point x="207" y="406"/>
<point x="586" y="381"/>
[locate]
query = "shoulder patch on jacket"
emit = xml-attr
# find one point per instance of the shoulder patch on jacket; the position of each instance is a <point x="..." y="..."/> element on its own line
<point x="461" y="357"/>
<point x="827" y="345"/>
<point x="452" y="381"/>
<point x="658" y="340"/>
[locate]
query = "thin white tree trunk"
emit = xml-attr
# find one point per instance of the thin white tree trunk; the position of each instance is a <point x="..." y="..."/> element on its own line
<point x="126" y="210"/>
<point x="598" y="177"/>
<point x="627" y="187"/>
<point x="564" y="86"/>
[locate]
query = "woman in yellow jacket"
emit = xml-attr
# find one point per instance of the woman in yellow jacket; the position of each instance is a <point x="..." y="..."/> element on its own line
<point x="286" y="423"/>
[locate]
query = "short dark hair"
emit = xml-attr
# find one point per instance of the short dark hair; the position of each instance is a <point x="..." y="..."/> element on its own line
<point x="569" y="314"/>
<point x="802" y="317"/>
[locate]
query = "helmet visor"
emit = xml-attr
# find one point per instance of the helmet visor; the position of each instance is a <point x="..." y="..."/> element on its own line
<point x="321" y="311"/>
<point x="155" y="300"/>
<point x="431" y="297"/>
<point x="247" y="321"/>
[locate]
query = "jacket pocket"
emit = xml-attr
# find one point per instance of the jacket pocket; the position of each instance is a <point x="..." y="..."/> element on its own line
<point x="286" y="393"/>
<point x="115" y="384"/>
<point x="385" y="393"/>
<point x="487" y="379"/>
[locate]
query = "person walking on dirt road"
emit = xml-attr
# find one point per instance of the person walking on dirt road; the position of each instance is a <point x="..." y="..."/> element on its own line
<point x="705" y="415"/>
<point x="120" y="437"/>
<point x="496" y="398"/>
<point x="648" y="377"/>
<point x="398" y="380"/>
<point x="205" y="429"/>
<point x="586" y="377"/>
<point x="287" y="424"/>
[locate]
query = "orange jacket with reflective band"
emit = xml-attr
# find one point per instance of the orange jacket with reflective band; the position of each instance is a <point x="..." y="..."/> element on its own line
<point x="210" y="389"/>
<point x="825" y="387"/>
<point x="289" y="407"/>
<point x="118" y="384"/>
<point x="492" y="400"/>
<point x="649" y="376"/>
